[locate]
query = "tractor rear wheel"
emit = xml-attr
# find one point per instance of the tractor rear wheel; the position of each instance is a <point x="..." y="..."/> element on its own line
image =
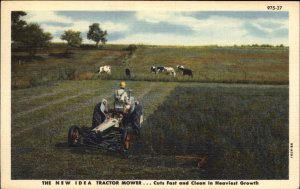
<point x="74" y="136"/>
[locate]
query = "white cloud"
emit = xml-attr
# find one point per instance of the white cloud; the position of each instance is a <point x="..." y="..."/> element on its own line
<point x="81" y="26"/>
<point x="212" y="26"/>
<point x="113" y="27"/>
<point x="270" y="25"/>
<point x="57" y="40"/>
<point x="47" y="16"/>
<point x="53" y="29"/>
<point x="212" y="30"/>
<point x="155" y="16"/>
<point x="212" y="22"/>
<point x="226" y="38"/>
<point x="56" y="24"/>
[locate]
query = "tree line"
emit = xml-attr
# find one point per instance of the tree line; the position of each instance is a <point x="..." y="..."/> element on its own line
<point x="31" y="36"/>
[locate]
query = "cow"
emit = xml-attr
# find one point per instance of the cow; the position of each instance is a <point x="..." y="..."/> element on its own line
<point x="170" y="70"/>
<point x="127" y="72"/>
<point x="188" y="72"/>
<point x="157" y="69"/>
<point x="153" y="69"/>
<point x="179" y="67"/>
<point x="184" y="71"/>
<point x="104" y="69"/>
<point x="160" y="68"/>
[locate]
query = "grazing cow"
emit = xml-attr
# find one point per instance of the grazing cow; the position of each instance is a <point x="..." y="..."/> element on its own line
<point x="170" y="70"/>
<point x="153" y="69"/>
<point x="127" y="72"/>
<point x="180" y="67"/>
<point x="157" y="69"/>
<point x="187" y="72"/>
<point x="160" y="68"/>
<point x="105" y="69"/>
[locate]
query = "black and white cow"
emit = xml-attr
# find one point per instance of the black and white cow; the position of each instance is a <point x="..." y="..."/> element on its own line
<point x="160" y="68"/>
<point x="105" y="69"/>
<point x="185" y="71"/>
<point x="179" y="67"/>
<point x="157" y="69"/>
<point x="188" y="72"/>
<point x="127" y="72"/>
<point x="153" y="69"/>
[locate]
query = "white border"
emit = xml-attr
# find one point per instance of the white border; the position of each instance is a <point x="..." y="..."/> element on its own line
<point x="8" y="6"/>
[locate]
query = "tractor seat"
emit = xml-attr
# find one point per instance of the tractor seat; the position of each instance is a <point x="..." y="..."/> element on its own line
<point x="119" y="106"/>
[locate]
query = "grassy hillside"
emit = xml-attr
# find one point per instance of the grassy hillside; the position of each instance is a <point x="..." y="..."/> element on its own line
<point x="209" y="64"/>
<point x="242" y="128"/>
<point x="226" y="64"/>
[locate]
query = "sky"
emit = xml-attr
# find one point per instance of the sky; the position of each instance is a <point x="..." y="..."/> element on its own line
<point x="170" y="27"/>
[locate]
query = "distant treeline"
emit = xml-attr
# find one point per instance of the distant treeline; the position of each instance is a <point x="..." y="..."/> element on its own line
<point x="262" y="45"/>
<point x="132" y="47"/>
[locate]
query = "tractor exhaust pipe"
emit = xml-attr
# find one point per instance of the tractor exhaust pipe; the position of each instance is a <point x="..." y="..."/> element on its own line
<point x="129" y="92"/>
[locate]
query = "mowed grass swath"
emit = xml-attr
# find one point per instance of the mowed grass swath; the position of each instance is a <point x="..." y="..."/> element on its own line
<point x="266" y="65"/>
<point x="234" y="110"/>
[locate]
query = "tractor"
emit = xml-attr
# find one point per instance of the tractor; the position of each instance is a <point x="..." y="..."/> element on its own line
<point x="112" y="129"/>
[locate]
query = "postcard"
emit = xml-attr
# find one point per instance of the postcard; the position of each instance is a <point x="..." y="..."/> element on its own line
<point x="141" y="94"/>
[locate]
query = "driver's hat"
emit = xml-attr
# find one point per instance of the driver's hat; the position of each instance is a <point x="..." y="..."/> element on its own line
<point x="122" y="84"/>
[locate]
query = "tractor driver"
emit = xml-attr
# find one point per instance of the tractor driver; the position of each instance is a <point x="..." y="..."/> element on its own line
<point x="122" y="96"/>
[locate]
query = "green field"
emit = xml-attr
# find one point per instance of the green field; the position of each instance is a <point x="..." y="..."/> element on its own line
<point x="262" y="65"/>
<point x="243" y="128"/>
<point x="234" y="111"/>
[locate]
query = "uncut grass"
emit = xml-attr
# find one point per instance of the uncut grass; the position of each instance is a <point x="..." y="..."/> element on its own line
<point x="243" y="130"/>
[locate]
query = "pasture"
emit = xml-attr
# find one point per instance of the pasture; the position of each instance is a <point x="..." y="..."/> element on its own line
<point x="243" y="128"/>
<point x="262" y="65"/>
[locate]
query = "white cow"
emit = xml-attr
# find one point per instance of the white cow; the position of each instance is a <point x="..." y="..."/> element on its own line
<point x="170" y="70"/>
<point x="105" y="69"/>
